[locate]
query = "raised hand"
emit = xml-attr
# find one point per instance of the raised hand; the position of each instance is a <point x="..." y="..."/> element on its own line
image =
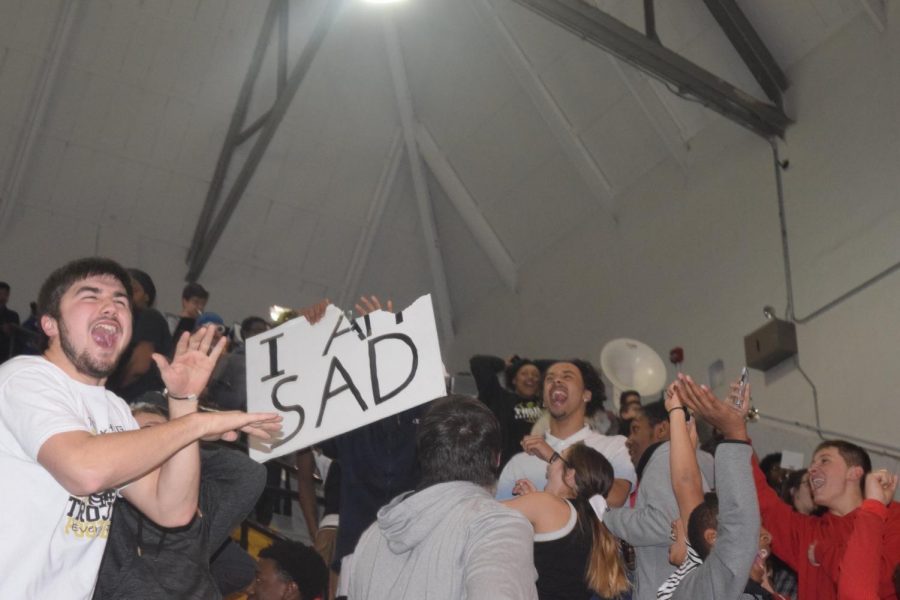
<point x="537" y="446"/>
<point x="371" y="304"/>
<point x="193" y="363"/>
<point x="523" y="486"/>
<point x="881" y="485"/>
<point x="314" y="313"/>
<point x="723" y="416"/>
<point x="672" y="397"/>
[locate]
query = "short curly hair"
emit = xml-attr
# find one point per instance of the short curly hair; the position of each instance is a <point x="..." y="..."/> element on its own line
<point x="592" y="383"/>
<point x="300" y="564"/>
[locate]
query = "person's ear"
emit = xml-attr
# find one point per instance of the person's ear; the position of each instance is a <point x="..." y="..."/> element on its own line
<point x="855" y="473"/>
<point x="662" y="431"/>
<point x="292" y="592"/>
<point x="569" y="477"/>
<point x="710" y="536"/>
<point x="586" y="396"/>
<point x="49" y="325"/>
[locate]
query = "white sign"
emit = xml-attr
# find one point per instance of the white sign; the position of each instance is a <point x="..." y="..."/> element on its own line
<point x="337" y="375"/>
<point x="793" y="461"/>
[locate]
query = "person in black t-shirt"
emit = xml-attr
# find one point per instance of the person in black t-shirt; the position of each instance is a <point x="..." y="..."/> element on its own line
<point x="517" y="406"/>
<point x="136" y="373"/>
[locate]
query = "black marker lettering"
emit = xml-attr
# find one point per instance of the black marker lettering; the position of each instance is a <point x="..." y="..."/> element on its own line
<point x="335" y="333"/>
<point x="273" y="357"/>
<point x="292" y="408"/>
<point x="373" y="365"/>
<point x="348" y="385"/>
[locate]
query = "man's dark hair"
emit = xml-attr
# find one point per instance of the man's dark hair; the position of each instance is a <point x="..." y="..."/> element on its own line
<point x="769" y="462"/>
<point x="146" y="282"/>
<point x="194" y="290"/>
<point x="60" y="280"/>
<point x="705" y="516"/>
<point x="853" y="455"/>
<point x="249" y="322"/>
<point x="458" y="440"/>
<point x="4" y="286"/>
<point x="513" y="369"/>
<point x="300" y="564"/>
<point x="655" y="412"/>
<point x="792" y="481"/>
<point x="593" y="383"/>
<point x="627" y="394"/>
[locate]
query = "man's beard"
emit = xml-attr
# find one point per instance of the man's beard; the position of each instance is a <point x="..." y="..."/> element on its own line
<point x="84" y="363"/>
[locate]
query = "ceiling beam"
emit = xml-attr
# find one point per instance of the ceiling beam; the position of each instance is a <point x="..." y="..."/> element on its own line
<point x="38" y="104"/>
<point x="420" y="184"/>
<point x="630" y="45"/>
<point x="467" y="208"/>
<point x="750" y="47"/>
<point x="214" y="232"/>
<point x="656" y="111"/>
<point x="235" y="136"/>
<point x="877" y="13"/>
<point x="350" y="287"/>
<point x="542" y="99"/>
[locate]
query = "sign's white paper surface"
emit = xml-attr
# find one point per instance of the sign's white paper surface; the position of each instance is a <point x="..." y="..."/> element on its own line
<point x="337" y="375"/>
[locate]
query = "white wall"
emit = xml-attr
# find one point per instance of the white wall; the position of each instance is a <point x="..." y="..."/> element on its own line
<point x="696" y="253"/>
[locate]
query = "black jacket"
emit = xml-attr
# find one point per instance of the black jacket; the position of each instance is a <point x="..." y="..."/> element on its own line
<point x="145" y="561"/>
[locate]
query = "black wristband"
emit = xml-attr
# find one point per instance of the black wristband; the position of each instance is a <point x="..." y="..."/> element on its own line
<point x="687" y="414"/>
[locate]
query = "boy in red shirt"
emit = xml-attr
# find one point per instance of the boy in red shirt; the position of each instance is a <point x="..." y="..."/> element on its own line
<point x="814" y="546"/>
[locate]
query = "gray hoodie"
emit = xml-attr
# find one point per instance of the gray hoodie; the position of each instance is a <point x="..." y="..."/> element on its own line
<point x="723" y="575"/>
<point x="449" y="541"/>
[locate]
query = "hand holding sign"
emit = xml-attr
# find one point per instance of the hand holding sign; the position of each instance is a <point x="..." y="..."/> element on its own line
<point x="340" y="374"/>
<point x="371" y="304"/>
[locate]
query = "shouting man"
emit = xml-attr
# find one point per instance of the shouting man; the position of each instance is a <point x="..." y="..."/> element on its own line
<point x="68" y="446"/>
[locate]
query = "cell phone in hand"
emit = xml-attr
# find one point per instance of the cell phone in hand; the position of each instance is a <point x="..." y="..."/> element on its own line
<point x="742" y="386"/>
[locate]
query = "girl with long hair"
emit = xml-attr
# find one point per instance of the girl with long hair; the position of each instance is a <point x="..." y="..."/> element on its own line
<point x="574" y="553"/>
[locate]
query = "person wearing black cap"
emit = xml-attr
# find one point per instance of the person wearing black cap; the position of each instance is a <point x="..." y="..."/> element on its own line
<point x="137" y="374"/>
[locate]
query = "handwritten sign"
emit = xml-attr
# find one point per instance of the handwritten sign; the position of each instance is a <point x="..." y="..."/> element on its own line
<point x="339" y="374"/>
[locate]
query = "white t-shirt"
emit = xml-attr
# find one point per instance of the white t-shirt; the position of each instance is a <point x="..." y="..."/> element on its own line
<point x="527" y="466"/>
<point x="51" y="542"/>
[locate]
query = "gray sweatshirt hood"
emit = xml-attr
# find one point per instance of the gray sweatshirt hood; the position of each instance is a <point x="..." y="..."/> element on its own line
<point x="409" y="518"/>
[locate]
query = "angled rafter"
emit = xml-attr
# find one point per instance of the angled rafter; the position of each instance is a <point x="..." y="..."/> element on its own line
<point x="235" y="136"/>
<point x="350" y="287"/>
<point x="466" y="207"/>
<point x="630" y="45"/>
<point x="750" y="47"/>
<point x="420" y="184"/>
<point x="207" y="236"/>
<point x="654" y="109"/>
<point x="37" y="111"/>
<point x="591" y="173"/>
<point x="876" y="12"/>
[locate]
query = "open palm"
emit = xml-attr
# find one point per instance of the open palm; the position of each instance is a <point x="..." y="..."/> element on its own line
<point x="192" y="364"/>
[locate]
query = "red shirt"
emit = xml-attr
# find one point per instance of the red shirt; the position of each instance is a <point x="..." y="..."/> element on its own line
<point x="859" y="568"/>
<point x="793" y="533"/>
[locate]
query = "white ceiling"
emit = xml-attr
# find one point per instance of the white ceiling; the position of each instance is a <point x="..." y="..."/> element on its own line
<point x="143" y="99"/>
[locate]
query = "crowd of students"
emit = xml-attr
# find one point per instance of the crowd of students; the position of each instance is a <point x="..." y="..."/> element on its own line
<point x="532" y="490"/>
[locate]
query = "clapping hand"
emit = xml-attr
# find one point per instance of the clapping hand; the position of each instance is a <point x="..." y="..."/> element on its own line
<point x="725" y="417"/>
<point x="192" y="363"/>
